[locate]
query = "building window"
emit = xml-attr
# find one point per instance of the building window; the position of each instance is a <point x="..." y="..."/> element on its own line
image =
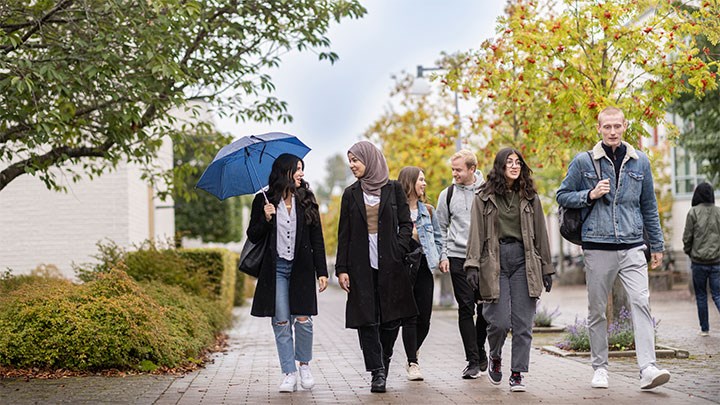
<point x="686" y="173"/>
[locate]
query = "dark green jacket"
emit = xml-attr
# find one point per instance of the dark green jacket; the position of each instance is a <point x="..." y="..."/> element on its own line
<point x="701" y="238"/>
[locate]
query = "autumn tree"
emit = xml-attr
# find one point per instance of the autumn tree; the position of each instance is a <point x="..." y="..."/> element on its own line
<point x="421" y="132"/>
<point x="701" y="135"/>
<point x="551" y="68"/>
<point x="89" y="83"/>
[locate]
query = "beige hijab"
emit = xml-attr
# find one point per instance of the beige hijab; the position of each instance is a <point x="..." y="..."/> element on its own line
<point x="376" y="169"/>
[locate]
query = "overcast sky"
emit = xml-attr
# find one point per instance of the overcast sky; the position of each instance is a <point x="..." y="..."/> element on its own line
<point x="333" y="105"/>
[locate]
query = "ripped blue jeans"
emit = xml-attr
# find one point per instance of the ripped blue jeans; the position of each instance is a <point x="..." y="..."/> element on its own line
<point x="289" y="349"/>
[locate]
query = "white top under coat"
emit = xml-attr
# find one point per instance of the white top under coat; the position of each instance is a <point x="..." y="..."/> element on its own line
<point x="286" y="229"/>
<point x="372" y="200"/>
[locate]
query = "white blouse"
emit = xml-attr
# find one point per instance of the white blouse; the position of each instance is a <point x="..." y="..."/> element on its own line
<point x="286" y="229"/>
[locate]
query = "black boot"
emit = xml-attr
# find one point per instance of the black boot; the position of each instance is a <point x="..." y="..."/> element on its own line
<point x="378" y="381"/>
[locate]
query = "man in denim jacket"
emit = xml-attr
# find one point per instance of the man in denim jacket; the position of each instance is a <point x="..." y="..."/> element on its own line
<point x="612" y="240"/>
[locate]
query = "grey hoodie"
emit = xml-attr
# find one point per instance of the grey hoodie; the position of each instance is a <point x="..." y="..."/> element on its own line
<point x="455" y="229"/>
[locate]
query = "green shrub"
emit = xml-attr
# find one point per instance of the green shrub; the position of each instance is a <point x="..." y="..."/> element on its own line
<point x="207" y="273"/>
<point x="219" y="269"/>
<point x="111" y="322"/>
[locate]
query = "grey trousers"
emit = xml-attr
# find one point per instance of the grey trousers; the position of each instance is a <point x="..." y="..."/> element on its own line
<point x="601" y="269"/>
<point x="515" y="309"/>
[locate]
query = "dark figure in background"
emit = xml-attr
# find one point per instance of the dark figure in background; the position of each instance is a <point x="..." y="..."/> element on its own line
<point x="701" y="241"/>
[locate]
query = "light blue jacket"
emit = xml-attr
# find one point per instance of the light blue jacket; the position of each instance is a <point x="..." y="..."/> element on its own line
<point x="429" y="234"/>
<point x="620" y="216"/>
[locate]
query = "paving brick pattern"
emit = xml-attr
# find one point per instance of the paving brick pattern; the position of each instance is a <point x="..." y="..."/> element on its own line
<point x="248" y="372"/>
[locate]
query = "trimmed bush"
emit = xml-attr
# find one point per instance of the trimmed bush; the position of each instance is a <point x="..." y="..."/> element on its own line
<point x="209" y="273"/>
<point x="219" y="269"/>
<point x="111" y="322"/>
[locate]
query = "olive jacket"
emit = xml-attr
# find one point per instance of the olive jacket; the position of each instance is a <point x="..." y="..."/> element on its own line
<point x="483" y="251"/>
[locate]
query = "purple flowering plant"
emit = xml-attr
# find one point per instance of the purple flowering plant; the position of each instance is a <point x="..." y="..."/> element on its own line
<point x="544" y="317"/>
<point x="621" y="336"/>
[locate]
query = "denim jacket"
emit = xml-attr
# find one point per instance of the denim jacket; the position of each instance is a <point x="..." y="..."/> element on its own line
<point x="620" y="216"/>
<point x="429" y="234"/>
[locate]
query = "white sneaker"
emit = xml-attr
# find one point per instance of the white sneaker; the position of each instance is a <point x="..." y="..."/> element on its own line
<point x="289" y="383"/>
<point x="652" y="377"/>
<point x="600" y="379"/>
<point x="704" y="333"/>
<point x="306" y="378"/>
<point x="413" y="372"/>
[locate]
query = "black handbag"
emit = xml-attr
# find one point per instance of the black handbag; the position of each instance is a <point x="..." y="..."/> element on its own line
<point x="252" y="256"/>
<point x="412" y="260"/>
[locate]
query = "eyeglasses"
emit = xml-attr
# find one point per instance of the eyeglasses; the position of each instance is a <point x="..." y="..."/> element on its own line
<point x="512" y="163"/>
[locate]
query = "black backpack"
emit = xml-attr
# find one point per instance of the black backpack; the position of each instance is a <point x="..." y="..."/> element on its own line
<point x="572" y="219"/>
<point x="448" y="197"/>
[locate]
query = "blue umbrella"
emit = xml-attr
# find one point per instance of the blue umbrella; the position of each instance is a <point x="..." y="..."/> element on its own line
<point x="243" y="167"/>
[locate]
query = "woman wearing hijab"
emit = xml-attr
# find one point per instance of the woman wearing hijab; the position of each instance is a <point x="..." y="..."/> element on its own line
<point x="294" y="259"/>
<point x="701" y="241"/>
<point x="373" y="238"/>
<point x="508" y="260"/>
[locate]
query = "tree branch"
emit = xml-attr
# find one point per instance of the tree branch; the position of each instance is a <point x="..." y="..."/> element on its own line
<point x="52" y="158"/>
<point x="37" y="24"/>
<point x="14" y="133"/>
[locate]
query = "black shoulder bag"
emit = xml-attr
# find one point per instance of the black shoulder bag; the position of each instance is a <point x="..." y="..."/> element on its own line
<point x="252" y="256"/>
<point x="572" y="219"/>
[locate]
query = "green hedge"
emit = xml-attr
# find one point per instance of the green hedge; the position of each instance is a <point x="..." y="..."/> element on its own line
<point x="111" y="322"/>
<point x="209" y="273"/>
<point x="219" y="267"/>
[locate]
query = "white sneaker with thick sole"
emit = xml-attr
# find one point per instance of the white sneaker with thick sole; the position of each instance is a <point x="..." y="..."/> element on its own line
<point x="652" y="377"/>
<point x="600" y="379"/>
<point x="306" y="378"/>
<point x="289" y="383"/>
<point x="413" y="372"/>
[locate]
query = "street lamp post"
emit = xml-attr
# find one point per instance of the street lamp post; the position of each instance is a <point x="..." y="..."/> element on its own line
<point x="421" y="86"/>
<point x="424" y="88"/>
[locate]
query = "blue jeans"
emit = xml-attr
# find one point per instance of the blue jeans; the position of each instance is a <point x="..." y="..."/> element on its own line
<point x="283" y="323"/>
<point x="701" y="273"/>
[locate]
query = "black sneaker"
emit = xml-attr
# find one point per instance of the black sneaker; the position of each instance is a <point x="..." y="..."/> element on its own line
<point x="516" y="384"/>
<point x="483" y="361"/>
<point x="494" y="373"/>
<point x="471" y="371"/>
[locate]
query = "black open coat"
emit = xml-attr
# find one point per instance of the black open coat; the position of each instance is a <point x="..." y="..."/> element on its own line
<point x="308" y="263"/>
<point x="353" y="256"/>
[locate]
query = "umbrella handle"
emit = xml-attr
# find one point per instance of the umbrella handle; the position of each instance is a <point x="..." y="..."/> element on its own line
<point x="247" y="153"/>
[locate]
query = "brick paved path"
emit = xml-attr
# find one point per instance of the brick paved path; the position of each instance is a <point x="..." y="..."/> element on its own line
<point x="249" y="372"/>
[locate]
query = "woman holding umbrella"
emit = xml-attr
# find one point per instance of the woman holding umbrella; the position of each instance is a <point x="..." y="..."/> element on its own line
<point x="294" y="257"/>
<point x="374" y="233"/>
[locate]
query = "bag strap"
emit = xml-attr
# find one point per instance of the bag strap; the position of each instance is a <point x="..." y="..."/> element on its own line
<point x="598" y="172"/>
<point x="448" y="198"/>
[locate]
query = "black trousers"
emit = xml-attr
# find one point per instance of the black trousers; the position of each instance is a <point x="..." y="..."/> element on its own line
<point x="378" y="339"/>
<point x="472" y="331"/>
<point x="415" y="329"/>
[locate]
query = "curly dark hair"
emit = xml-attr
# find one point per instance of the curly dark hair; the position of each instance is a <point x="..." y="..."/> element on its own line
<point x="496" y="182"/>
<point x="281" y="183"/>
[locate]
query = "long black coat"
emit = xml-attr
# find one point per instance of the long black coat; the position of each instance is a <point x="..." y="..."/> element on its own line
<point x="353" y="257"/>
<point x="308" y="263"/>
